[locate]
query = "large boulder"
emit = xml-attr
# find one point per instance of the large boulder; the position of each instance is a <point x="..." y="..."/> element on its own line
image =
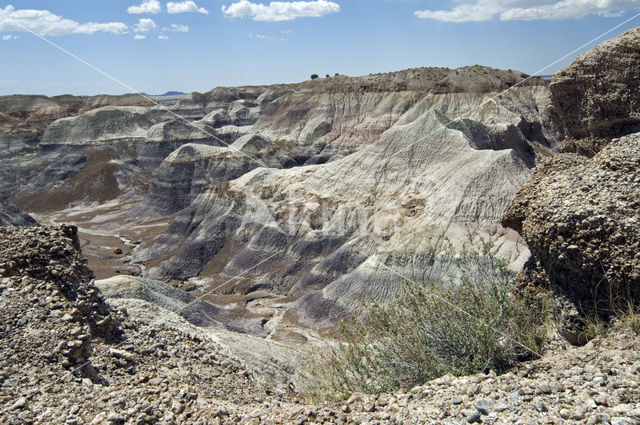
<point x="597" y="97"/>
<point x="581" y="219"/>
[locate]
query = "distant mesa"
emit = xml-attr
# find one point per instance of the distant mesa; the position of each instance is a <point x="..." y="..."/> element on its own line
<point x="169" y="93"/>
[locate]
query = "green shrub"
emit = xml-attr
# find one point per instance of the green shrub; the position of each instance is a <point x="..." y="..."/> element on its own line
<point x="476" y="321"/>
<point x="314" y="76"/>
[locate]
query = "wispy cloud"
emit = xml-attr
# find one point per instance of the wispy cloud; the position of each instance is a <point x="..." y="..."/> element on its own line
<point x="185" y="7"/>
<point x="177" y="28"/>
<point x="265" y="37"/>
<point x="9" y="37"/>
<point x="149" y="6"/>
<point x="144" y="25"/>
<point x="528" y="10"/>
<point x="47" y="23"/>
<point x="279" y="10"/>
<point x="163" y="37"/>
<point x="139" y="37"/>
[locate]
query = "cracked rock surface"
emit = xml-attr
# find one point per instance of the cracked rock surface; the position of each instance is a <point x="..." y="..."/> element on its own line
<point x="581" y="217"/>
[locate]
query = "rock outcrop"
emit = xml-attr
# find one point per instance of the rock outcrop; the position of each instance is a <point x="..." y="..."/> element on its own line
<point x="581" y="219"/>
<point x="596" y="98"/>
<point x="45" y="280"/>
<point x="580" y="216"/>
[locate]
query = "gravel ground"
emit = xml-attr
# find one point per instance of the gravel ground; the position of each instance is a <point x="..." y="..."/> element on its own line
<point x="67" y="357"/>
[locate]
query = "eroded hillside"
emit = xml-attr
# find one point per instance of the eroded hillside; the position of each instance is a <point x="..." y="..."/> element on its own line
<point x="319" y="194"/>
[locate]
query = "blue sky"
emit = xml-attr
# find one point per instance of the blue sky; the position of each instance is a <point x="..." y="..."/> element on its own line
<point x="208" y="43"/>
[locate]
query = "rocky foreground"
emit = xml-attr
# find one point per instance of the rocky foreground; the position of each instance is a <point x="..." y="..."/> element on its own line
<point x="68" y="357"/>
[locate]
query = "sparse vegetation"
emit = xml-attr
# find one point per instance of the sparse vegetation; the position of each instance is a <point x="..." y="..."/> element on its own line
<point x="606" y="312"/>
<point x="631" y="317"/>
<point x="592" y="326"/>
<point x="314" y="76"/>
<point x="600" y="322"/>
<point x="474" y="322"/>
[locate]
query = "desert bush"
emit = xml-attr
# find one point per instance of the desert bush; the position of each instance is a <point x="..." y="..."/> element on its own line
<point x="475" y="321"/>
<point x="603" y="314"/>
<point x="627" y="311"/>
<point x="314" y="76"/>
<point x="591" y="326"/>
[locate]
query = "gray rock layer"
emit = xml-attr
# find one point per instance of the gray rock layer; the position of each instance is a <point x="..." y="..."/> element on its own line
<point x="10" y="215"/>
<point x="404" y="179"/>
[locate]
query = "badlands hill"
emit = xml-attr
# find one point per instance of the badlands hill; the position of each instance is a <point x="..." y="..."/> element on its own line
<point x="315" y="195"/>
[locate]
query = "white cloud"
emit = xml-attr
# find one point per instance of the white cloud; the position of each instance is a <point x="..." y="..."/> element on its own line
<point x="46" y="23"/>
<point x="280" y="10"/>
<point x="9" y="37"/>
<point x="149" y="6"/>
<point x="483" y="10"/>
<point x="526" y="10"/>
<point x="163" y="37"/>
<point x="570" y="9"/>
<point x="177" y="28"/>
<point x="185" y="7"/>
<point x="144" y="25"/>
<point x="139" y="37"/>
